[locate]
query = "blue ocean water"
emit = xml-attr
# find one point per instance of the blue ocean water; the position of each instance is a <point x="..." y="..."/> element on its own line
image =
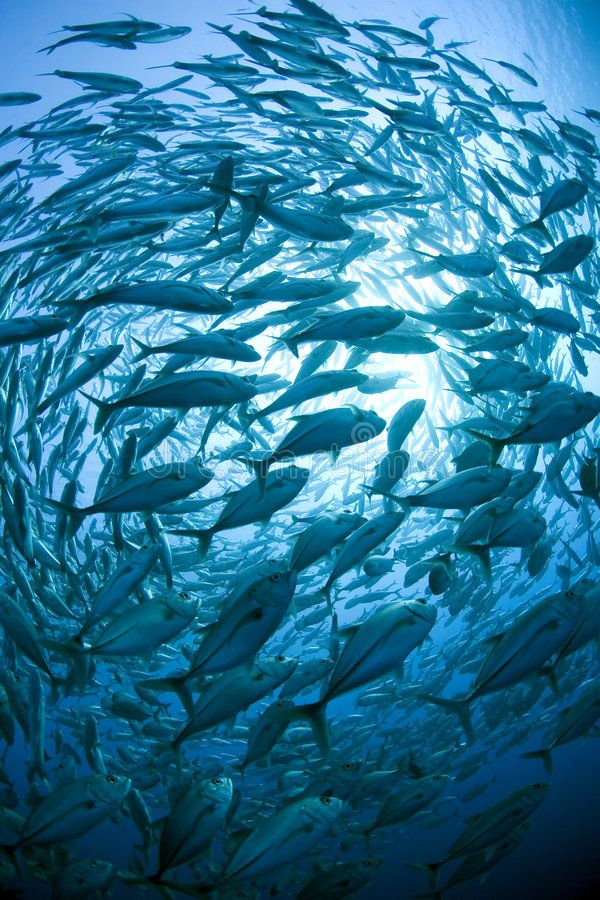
<point x="558" y="43"/>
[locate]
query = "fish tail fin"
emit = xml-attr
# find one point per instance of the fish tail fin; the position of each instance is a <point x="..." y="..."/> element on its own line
<point x="315" y="715"/>
<point x="228" y="191"/>
<point x="55" y="684"/>
<point x="291" y="345"/>
<point x="167" y="887"/>
<point x="74" y="308"/>
<point x="260" y="469"/>
<point x="35" y="767"/>
<point x="154" y="881"/>
<point x="144" y="349"/>
<point x="544" y="754"/>
<point x="459" y="708"/>
<point x="177" y="684"/>
<point x="325" y="594"/>
<point x="71" y="647"/>
<point x="76" y="515"/>
<point x="496" y="445"/>
<point x="536" y="225"/>
<point x="104" y="411"/>
<point x="317" y="718"/>
<point x="433" y="870"/>
<point x="403" y="502"/>
<point x="532" y="274"/>
<point x="143" y="879"/>
<point x="204" y="537"/>
<point x="16" y="858"/>
<point x="481" y="553"/>
<point x="171" y="748"/>
<point x="248" y="419"/>
<point x="549" y="673"/>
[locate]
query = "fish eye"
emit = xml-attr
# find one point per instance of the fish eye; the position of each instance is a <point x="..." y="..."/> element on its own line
<point x="347" y="765"/>
<point x="538" y="785"/>
<point x="280" y="658"/>
<point x="326" y="800"/>
<point x="184" y="595"/>
<point x="112" y="779"/>
<point x="94" y="864"/>
<point x="275" y="576"/>
<point x="437" y="777"/>
<point x="217" y="781"/>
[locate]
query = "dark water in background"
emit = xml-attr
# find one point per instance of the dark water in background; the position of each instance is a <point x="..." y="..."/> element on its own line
<point x="560" y="858"/>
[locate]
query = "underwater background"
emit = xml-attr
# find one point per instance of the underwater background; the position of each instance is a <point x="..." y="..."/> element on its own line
<point x="560" y="855"/>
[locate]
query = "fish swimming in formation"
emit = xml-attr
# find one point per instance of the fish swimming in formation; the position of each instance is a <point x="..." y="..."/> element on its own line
<point x="246" y="570"/>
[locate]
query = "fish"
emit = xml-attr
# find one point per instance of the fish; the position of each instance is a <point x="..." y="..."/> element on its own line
<point x="363" y="539"/>
<point x="219" y="346"/>
<point x="147" y="489"/>
<point x="376" y="647"/>
<point x="144" y="627"/>
<point x="250" y="504"/>
<point x="229" y="695"/>
<point x="72" y="810"/>
<point x="185" y="390"/>
<point x="498" y="820"/>
<point x="523" y="649"/>
<point x="311" y="387"/>
<point x="575" y="721"/>
<point x="18" y="98"/>
<point x="29" y="329"/>
<point x="167" y="294"/>
<point x="565" y="413"/>
<point x="192" y="823"/>
<point x="237" y="637"/>
<point x="296" y="828"/>
<point x="93" y="365"/>
<point x="412" y="797"/>
<point x="322" y="432"/>
<point x="360" y="323"/>
<point x="564" y="257"/>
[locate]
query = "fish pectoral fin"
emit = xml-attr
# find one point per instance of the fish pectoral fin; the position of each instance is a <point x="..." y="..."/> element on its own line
<point x="471" y="819"/>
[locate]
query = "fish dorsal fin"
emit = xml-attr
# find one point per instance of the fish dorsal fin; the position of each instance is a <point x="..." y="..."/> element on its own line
<point x="347" y="631"/>
<point x="494" y="639"/>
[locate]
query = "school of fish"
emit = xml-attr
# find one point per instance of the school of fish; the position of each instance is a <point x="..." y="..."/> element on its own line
<point x="300" y="467"/>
